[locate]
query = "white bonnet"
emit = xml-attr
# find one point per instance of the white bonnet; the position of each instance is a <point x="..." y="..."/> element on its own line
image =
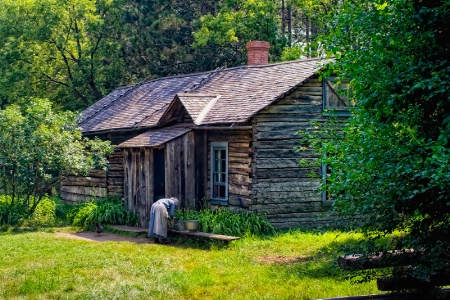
<point x="175" y="200"/>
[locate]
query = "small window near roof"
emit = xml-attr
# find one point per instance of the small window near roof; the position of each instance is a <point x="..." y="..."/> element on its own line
<point x="336" y="96"/>
<point x="219" y="173"/>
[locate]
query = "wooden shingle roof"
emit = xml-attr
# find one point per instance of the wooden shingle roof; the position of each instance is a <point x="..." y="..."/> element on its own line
<point x="222" y="96"/>
<point x="156" y="137"/>
<point x="243" y="92"/>
<point x="139" y="106"/>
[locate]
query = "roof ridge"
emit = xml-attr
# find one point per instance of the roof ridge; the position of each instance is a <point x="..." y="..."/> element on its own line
<point x="206" y="110"/>
<point x="204" y="80"/>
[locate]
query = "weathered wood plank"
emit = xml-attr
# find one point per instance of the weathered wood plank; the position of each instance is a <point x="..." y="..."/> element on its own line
<point x="298" y="217"/>
<point x="311" y="83"/>
<point x="115" y="161"/>
<point x="298" y="172"/>
<point x="243" y="171"/>
<point x="276" y="144"/>
<point x="125" y="228"/>
<point x="293" y="207"/>
<point x="129" y="181"/>
<point x="84" y="190"/>
<point x="141" y="205"/>
<point x="84" y="181"/>
<point x="307" y="116"/>
<point x="117" y="174"/>
<point x="282" y="126"/>
<point x="289" y="196"/>
<point x="242" y="190"/>
<point x="278" y="135"/>
<point x="240" y="179"/>
<point x="286" y="186"/>
<point x="189" y="169"/>
<point x="239" y="161"/>
<point x="290" y="109"/>
<point x="284" y="153"/>
<point x="302" y="100"/>
<point x="226" y="238"/>
<point x="97" y="173"/>
<point x="245" y="154"/>
<point x="281" y="163"/>
<point x="148" y="165"/>
<point x="75" y="198"/>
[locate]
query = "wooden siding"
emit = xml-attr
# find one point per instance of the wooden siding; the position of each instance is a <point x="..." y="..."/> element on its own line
<point x="239" y="164"/>
<point x="281" y="188"/>
<point x="179" y="176"/>
<point x="97" y="184"/>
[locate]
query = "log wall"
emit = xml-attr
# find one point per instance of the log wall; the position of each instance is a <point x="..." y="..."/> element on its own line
<point x="239" y="164"/>
<point x="280" y="187"/>
<point x="179" y="176"/>
<point x="98" y="183"/>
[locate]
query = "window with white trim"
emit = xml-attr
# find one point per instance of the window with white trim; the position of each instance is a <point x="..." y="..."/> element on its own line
<point x="219" y="173"/>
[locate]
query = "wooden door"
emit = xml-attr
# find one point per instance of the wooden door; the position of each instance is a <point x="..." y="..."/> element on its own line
<point x="159" y="183"/>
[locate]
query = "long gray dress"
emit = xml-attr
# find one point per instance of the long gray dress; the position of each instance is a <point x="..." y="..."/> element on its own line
<point x="159" y="216"/>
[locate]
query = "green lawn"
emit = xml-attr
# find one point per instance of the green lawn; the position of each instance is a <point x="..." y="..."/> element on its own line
<point x="295" y="265"/>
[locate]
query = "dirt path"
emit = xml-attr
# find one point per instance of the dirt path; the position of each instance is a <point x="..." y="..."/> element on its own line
<point x="103" y="237"/>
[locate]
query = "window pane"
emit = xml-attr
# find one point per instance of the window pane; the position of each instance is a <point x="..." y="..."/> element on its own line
<point x="218" y="171"/>
<point x="221" y="191"/>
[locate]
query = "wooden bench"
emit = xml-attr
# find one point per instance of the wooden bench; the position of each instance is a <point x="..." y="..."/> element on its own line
<point x="125" y="228"/>
<point x="144" y="230"/>
<point x="220" y="237"/>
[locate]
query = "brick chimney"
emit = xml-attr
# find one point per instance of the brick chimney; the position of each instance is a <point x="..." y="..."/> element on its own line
<point x="257" y="53"/>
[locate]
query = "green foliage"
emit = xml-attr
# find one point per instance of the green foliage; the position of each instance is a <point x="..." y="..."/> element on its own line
<point x="11" y="213"/>
<point x="224" y="221"/>
<point x="61" y="50"/>
<point x="390" y="163"/>
<point x="239" y="22"/>
<point x="109" y="211"/>
<point x="168" y="27"/>
<point x="38" y="147"/>
<point x="50" y="212"/>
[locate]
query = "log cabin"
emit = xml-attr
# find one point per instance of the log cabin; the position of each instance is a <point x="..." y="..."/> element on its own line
<point x="225" y="137"/>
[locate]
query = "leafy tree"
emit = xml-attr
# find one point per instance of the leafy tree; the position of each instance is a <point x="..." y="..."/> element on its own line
<point x="59" y="50"/>
<point x="38" y="147"/>
<point x="240" y="21"/>
<point x="391" y="164"/>
<point x="306" y="21"/>
<point x="156" y="38"/>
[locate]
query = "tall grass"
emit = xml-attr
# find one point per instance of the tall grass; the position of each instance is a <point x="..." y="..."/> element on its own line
<point x="224" y="221"/>
<point x="52" y="212"/>
<point x="106" y="211"/>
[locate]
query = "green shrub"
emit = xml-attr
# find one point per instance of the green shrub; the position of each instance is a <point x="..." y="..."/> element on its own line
<point x="11" y="214"/>
<point x="224" y="221"/>
<point x="50" y="212"/>
<point x="106" y="211"/>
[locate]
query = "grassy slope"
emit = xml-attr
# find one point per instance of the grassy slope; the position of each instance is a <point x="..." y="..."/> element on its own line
<point x="288" y="266"/>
